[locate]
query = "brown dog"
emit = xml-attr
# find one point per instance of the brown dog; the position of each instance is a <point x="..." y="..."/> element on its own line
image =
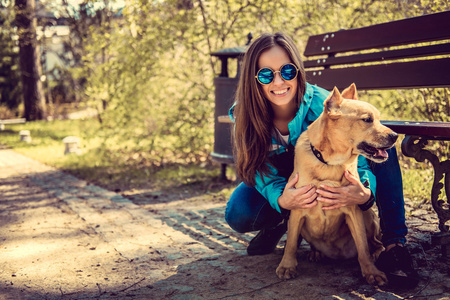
<point x="346" y="128"/>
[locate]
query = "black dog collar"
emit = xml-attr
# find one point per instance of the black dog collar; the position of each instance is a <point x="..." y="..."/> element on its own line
<point x="318" y="154"/>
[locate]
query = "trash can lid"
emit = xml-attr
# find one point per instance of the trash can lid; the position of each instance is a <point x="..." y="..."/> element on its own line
<point x="230" y="52"/>
<point x="234" y="51"/>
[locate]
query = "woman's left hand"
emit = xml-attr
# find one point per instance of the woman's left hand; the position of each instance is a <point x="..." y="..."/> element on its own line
<point x="352" y="194"/>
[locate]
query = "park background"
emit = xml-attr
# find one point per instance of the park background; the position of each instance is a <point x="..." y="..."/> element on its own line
<point x="139" y="77"/>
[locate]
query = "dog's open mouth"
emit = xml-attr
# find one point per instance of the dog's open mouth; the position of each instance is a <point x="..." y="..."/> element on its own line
<point x="375" y="153"/>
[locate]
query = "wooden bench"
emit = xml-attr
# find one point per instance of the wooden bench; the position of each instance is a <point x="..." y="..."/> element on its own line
<point x="11" y="121"/>
<point x="404" y="54"/>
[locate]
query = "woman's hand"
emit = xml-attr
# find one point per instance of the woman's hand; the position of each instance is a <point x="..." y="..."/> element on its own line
<point x="352" y="194"/>
<point x="292" y="198"/>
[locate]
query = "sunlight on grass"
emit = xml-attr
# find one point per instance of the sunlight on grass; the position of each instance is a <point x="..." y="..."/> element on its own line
<point x="417" y="183"/>
<point x="46" y="145"/>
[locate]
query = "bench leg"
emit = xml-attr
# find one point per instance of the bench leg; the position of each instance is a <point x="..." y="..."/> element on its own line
<point x="442" y="239"/>
<point x="413" y="146"/>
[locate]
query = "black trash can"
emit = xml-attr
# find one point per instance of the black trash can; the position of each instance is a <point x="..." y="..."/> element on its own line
<point x="224" y="98"/>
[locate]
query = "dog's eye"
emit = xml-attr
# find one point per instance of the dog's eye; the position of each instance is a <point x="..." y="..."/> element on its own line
<point x="368" y="120"/>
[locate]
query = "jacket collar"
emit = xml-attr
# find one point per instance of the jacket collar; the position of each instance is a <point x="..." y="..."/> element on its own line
<point x="297" y="125"/>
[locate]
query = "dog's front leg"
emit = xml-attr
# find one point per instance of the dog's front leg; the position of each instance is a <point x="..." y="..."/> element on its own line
<point x="355" y="222"/>
<point x="288" y="265"/>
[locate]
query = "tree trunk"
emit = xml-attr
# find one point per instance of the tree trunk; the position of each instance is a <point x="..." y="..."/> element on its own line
<point x="29" y="56"/>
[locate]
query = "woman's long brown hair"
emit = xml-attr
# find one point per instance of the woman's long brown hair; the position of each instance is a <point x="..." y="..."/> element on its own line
<point x="253" y="113"/>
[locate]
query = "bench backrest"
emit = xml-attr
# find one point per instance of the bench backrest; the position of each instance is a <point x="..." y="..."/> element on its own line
<point x="409" y="53"/>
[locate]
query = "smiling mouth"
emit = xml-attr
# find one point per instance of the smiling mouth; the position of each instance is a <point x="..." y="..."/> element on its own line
<point x="281" y="92"/>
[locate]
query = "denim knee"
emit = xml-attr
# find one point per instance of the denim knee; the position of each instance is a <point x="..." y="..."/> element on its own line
<point x="236" y="220"/>
<point x="238" y="213"/>
<point x="247" y="210"/>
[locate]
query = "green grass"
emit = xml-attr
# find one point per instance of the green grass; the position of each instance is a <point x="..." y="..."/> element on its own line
<point x="119" y="171"/>
<point x="417" y="183"/>
<point x="46" y="145"/>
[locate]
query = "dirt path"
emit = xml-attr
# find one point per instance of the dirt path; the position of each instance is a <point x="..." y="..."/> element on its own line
<point x="61" y="238"/>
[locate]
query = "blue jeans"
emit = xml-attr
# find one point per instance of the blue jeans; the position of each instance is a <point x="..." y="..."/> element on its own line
<point x="247" y="210"/>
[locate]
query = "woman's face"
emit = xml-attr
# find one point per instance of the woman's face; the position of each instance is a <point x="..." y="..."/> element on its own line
<point x="279" y="92"/>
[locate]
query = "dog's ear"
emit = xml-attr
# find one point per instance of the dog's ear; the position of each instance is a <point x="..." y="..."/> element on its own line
<point x="350" y="92"/>
<point x="332" y="104"/>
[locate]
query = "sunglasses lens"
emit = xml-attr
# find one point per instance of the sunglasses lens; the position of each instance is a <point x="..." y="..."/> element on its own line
<point x="288" y="72"/>
<point x="265" y="76"/>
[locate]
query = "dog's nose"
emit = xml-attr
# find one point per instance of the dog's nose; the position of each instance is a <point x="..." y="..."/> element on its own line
<point x="392" y="137"/>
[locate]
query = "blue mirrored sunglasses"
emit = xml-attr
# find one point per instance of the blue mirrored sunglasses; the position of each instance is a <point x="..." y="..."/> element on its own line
<point x="266" y="75"/>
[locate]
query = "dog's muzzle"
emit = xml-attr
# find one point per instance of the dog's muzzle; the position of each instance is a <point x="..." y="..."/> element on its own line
<point x="378" y="154"/>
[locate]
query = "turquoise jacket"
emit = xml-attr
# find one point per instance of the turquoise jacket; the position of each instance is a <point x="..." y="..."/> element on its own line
<point x="271" y="187"/>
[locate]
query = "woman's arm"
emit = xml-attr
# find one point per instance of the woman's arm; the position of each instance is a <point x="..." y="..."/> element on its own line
<point x="283" y="195"/>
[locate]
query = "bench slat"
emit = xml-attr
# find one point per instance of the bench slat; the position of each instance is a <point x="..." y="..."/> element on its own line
<point x="424" y="73"/>
<point x="437" y="130"/>
<point x="380" y="56"/>
<point x="13" y="121"/>
<point x="413" y="30"/>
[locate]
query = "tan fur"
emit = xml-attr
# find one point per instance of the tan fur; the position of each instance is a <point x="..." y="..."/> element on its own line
<point x="345" y="232"/>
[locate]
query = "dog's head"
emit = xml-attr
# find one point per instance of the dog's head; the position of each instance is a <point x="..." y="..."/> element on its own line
<point x="353" y="126"/>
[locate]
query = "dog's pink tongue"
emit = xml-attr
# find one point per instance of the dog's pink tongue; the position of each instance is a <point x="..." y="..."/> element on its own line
<point x="382" y="153"/>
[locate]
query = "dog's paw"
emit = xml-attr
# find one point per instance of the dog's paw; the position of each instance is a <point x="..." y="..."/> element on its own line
<point x="376" y="277"/>
<point x="315" y="256"/>
<point x="286" y="272"/>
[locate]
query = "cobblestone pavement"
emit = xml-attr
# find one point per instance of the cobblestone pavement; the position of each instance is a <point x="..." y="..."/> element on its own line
<point x="61" y="238"/>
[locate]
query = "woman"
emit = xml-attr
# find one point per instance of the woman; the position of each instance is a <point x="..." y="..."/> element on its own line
<point x="274" y="105"/>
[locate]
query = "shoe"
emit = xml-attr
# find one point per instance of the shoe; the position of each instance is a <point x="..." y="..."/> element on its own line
<point x="397" y="264"/>
<point x="266" y="240"/>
